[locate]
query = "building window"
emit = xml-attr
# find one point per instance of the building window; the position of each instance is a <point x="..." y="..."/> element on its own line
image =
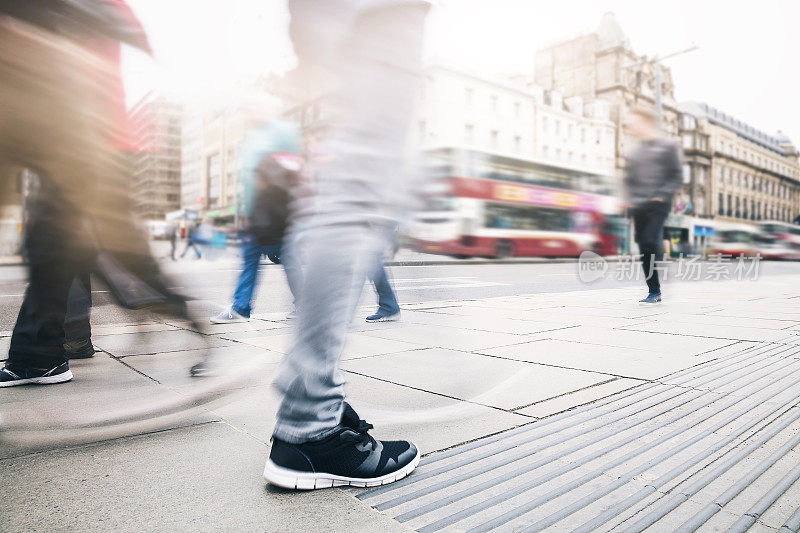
<point x="687" y="173"/>
<point x="729" y="211"/>
<point x="687" y="141"/>
<point x="738" y="213"/>
<point x="720" y="205"/>
<point x="752" y="210"/>
<point x="721" y="174"/>
<point x="544" y="124"/>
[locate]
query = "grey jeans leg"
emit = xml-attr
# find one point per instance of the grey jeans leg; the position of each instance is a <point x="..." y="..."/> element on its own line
<point x="376" y="59"/>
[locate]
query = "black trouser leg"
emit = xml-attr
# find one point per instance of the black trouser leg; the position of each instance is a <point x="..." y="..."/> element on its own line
<point x="38" y="336"/>
<point x="76" y="324"/>
<point x="648" y="221"/>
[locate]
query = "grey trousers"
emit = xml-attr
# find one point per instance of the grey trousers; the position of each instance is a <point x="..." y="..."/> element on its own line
<point x="374" y="57"/>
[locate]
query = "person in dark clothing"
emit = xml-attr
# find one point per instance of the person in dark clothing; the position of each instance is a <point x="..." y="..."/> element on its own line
<point x="172" y="235"/>
<point x="652" y="176"/>
<point x="64" y="117"/>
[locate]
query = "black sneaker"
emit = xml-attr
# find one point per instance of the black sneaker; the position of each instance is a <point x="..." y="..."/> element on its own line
<point x="349" y="456"/>
<point x="82" y="349"/>
<point x="11" y="376"/>
<point x="652" y="299"/>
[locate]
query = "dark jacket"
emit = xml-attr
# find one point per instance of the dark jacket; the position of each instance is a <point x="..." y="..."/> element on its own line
<point x="112" y="19"/>
<point x="654" y="170"/>
<point x="270" y="217"/>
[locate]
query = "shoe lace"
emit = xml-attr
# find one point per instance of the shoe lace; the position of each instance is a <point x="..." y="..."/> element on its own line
<point x="363" y="436"/>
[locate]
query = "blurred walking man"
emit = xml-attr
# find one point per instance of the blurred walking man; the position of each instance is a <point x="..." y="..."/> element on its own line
<point x="63" y="115"/>
<point x="652" y="177"/>
<point x="373" y="51"/>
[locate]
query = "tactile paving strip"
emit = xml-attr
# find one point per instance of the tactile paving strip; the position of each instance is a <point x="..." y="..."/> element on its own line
<point x="710" y="447"/>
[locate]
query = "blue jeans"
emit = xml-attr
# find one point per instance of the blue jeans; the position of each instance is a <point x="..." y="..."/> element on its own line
<point x="387" y="301"/>
<point x="251" y="256"/>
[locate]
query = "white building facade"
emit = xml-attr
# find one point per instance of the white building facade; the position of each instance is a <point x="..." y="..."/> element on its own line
<point x="514" y="119"/>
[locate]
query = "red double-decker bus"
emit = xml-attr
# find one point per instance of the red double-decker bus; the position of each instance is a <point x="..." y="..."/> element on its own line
<point x="494" y="206"/>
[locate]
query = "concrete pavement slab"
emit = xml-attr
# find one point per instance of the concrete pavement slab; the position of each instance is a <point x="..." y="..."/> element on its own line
<point x="708" y="331"/>
<point x="639" y="340"/>
<point x="477" y="378"/>
<point x="431" y="421"/>
<point x="646" y="364"/>
<point x="102" y="330"/>
<point x="357" y="345"/>
<point x="519" y="326"/>
<point x="211" y="329"/>
<point x="157" y="342"/>
<point x="202" y="478"/>
<point x="101" y="384"/>
<point x="172" y="368"/>
<point x="446" y="337"/>
<point x="582" y="396"/>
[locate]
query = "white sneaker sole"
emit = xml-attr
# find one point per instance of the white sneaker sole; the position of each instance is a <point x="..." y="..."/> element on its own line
<point x="393" y="318"/>
<point x="224" y="321"/>
<point x="292" y="479"/>
<point x="44" y="380"/>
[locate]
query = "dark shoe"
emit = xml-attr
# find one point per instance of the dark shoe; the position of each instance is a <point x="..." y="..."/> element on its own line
<point x="203" y="369"/>
<point x="381" y="317"/>
<point x="82" y="349"/>
<point x="11" y="375"/>
<point x="349" y="456"/>
<point x="652" y="299"/>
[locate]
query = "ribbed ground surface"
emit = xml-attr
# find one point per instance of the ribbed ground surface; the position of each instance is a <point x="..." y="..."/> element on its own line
<point x="713" y="447"/>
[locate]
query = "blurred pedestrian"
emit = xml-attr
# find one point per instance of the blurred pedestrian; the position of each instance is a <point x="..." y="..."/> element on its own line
<point x="652" y="176"/>
<point x="172" y="235"/>
<point x="63" y="115"/>
<point x="271" y="162"/>
<point x="388" y="308"/>
<point x="372" y="51"/>
<point x="193" y="240"/>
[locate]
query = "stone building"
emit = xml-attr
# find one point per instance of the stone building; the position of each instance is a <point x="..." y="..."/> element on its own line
<point x="735" y="172"/>
<point x="213" y="130"/>
<point x="512" y="118"/>
<point x="156" y="165"/>
<point x="602" y="65"/>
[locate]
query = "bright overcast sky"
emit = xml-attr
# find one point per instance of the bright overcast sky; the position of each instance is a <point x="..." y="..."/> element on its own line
<point x="746" y="63"/>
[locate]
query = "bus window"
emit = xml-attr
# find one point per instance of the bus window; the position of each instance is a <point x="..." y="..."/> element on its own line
<point x="527" y="218"/>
